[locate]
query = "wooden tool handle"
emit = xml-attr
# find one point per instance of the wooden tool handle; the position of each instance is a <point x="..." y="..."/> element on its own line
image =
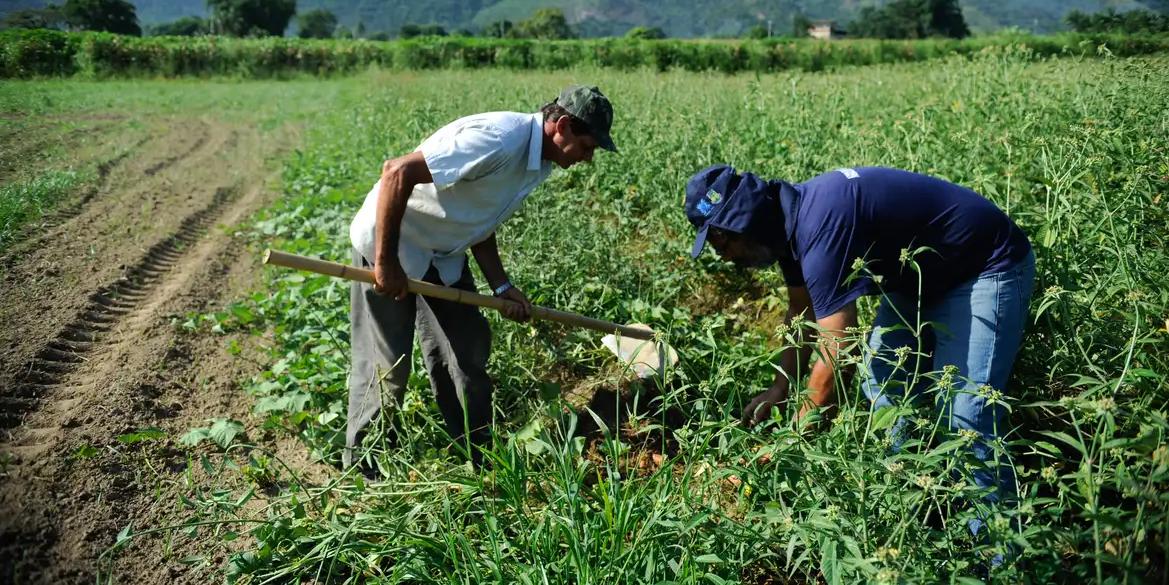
<point x="450" y="294"/>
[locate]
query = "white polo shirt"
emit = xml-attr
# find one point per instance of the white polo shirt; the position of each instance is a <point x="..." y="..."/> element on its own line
<point x="483" y="167"/>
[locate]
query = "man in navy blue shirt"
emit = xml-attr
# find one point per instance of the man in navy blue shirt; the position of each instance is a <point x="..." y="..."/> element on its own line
<point x="953" y="272"/>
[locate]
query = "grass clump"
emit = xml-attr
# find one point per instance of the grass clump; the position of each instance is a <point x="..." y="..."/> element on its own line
<point x="23" y="202"/>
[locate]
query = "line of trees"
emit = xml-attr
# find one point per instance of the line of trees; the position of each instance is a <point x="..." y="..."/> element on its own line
<point x="1111" y="21"/>
<point x="898" y="19"/>
<point x="258" y="18"/>
<point x="545" y="23"/>
<point x="911" y="19"/>
<point x="241" y="18"/>
<point x="116" y="16"/>
<point x="251" y="18"/>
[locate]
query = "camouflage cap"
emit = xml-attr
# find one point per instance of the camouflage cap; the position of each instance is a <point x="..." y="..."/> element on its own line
<point x="593" y="108"/>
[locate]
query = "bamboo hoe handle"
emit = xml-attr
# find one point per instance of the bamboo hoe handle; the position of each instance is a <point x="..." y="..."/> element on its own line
<point x="450" y="294"/>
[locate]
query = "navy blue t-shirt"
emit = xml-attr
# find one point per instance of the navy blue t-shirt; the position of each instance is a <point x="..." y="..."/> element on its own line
<point x="874" y="213"/>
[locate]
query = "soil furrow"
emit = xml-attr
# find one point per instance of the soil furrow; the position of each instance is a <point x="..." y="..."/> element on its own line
<point x="103" y="311"/>
<point x="93" y="363"/>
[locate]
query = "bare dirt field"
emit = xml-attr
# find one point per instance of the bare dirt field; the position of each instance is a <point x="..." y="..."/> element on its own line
<point x="89" y="349"/>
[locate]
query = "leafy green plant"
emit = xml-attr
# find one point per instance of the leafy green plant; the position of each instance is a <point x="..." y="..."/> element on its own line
<point x="222" y="432"/>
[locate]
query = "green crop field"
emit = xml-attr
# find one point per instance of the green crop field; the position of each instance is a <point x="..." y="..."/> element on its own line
<point x="599" y="480"/>
<point x="1075" y="151"/>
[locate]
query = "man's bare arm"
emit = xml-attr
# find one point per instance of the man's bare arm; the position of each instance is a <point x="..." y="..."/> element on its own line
<point x="791" y="361"/>
<point x="822" y="382"/>
<point x="487" y="256"/>
<point x="399" y="177"/>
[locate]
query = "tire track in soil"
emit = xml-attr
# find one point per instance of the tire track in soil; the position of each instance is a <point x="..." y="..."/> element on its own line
<point x="100" y="233"/>
<point x="170" y="161"/>
<point x="117" y="364"/>
<point x="42" y="376"/>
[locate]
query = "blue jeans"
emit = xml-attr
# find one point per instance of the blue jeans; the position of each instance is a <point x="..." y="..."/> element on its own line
<point x="976" y="329"/>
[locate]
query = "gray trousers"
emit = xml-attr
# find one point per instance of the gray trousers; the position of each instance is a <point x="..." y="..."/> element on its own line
<point x="455" y="341"/>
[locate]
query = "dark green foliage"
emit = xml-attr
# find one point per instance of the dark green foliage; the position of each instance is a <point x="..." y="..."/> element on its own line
<point x="946" y="19"/>
<point x="800" y="25"/>
<point x="756" y="32"/>
<point x="911" y="19"/>
<point x="647" y="33"/>
<point x="1111" y="21"/>
<point x="544" y="24"/>
<point x="316" y="24"/>
<point x="410" y="31"/>
<point x="498" y="30"/>
<point x="187" y="26"/>
<point x="49" y="17"/>
<point x="251" y="18"/>
<point x="115" y="16"/>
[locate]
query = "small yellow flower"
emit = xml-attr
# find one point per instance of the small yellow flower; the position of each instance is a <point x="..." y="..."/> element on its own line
<point x="995" y="397"/>
<point x="833" y="511"/>
<point x="888" y="553"/>
<point x="902" y="354"/>
<point x="1048" y="473"/>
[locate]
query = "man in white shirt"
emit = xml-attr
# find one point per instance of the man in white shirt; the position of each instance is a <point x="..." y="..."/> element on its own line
<point x="418" y="221"/>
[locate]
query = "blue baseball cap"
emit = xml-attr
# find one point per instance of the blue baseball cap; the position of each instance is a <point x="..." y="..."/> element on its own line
<point x="740" y="203"/>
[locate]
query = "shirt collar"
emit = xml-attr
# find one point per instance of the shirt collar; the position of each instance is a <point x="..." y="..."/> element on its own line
<point x="536" y="144"/>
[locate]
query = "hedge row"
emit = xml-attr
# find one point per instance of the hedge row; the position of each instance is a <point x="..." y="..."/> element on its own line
<point x="25" y="53"/>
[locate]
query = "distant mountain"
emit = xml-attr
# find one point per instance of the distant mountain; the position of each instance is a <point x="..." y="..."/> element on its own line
<point x="679" y="18"/>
